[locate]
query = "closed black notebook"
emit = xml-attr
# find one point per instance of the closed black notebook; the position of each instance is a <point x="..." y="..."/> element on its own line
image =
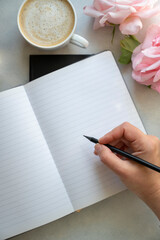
<point x="44" y="64"/>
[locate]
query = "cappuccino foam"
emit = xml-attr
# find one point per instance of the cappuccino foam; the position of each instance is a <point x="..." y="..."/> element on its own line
<point x="46" y="22"/>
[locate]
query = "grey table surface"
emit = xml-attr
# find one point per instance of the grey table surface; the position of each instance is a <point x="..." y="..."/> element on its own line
<point x="122" y="216"/>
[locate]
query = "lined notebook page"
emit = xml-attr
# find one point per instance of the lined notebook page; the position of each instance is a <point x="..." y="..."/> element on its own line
<point x="90" y="98"/>
<point x="31" y="190"/>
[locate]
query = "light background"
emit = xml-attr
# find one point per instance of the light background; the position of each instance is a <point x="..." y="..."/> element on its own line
<point x="122" y="216"/>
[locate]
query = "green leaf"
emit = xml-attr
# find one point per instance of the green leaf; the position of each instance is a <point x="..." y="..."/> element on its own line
<point x="113" y="33"/>
<point x="149" y="86"/>
<point x="125" y="57"/>
<point x="128" y="44"/>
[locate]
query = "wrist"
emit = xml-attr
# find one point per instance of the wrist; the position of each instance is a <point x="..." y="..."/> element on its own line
<point x="153" y="201"/>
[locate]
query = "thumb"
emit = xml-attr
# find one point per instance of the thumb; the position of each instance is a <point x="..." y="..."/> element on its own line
<point x="110" y="159"/>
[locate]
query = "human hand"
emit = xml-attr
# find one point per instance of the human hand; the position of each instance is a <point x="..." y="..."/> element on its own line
<point x="139" y="179"/>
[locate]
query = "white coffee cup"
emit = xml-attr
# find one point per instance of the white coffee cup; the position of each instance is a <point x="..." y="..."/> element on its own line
<point x="72" y="37"/>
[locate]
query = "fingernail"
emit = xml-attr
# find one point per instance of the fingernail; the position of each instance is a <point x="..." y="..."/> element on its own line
<point x="98" y="148"/>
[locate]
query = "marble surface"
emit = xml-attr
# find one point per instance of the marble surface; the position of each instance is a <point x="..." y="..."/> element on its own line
<point x="122" y="216"/>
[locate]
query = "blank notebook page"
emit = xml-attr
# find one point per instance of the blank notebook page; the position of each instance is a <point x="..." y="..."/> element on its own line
<point x="86" y="98"/>
<point x="31" y="190"/>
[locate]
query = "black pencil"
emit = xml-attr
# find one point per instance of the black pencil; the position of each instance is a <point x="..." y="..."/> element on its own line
<point x="127" y="155"/>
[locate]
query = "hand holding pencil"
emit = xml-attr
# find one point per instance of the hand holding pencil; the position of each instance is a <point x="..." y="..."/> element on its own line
<point x="139" y="179"/>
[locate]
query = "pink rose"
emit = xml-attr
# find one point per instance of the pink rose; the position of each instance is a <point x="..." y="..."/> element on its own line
<point x="146" y="59"/>
<point x="127" y="13"/>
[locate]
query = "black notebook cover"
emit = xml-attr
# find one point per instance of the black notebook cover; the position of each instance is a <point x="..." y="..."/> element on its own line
<point x="40" y="65"/>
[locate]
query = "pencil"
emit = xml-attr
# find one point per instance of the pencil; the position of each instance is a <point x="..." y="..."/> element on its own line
<point x="127" y="155"/>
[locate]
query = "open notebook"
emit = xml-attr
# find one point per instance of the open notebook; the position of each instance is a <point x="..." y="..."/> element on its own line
<point x="47" y="167"/>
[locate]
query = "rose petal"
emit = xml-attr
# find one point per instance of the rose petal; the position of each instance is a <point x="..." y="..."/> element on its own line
<point x="156" y="42"/>
<point x="127" y="7"/>
<point x="152" y="67"/>
<point x="152" y="32"/>
<point x="141" y="62"/>
<point x="152" y="52"/>
<point x="92" y="12"/>
<point x="97" y="24"/>
<point x="139" y="5"/>
<point x="119" y="14"/>
<point x="130" y="26"/>
<point x="102" y="5"/>
<point x="157" y="77"/>
<point x="137" y="60"/>
<point x="136" y="51"/>
<point x="138" y="57"/>
<point x="147" y="13"/>
<point x="144" y="3"/>
<point x="156" y="86"/>
<point x="145" y="78"/>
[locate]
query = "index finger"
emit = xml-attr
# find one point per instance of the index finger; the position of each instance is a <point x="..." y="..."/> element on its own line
<point x="125" y="130"/>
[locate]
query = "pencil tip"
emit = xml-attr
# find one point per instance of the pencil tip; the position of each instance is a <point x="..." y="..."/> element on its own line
<point x="86" y="137"/>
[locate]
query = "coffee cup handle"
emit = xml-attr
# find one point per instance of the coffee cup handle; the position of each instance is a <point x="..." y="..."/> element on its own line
<point x="79" y="41"/>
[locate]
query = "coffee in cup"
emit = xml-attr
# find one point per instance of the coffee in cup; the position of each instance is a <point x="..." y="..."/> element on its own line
<point x="47" y="23"/>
